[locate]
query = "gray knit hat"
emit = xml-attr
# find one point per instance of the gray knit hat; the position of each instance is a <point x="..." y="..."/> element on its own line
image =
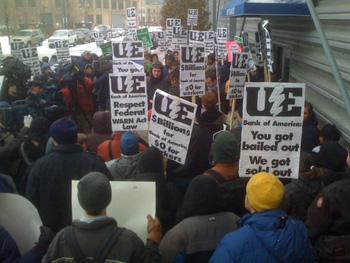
<point x="94" y="192"/>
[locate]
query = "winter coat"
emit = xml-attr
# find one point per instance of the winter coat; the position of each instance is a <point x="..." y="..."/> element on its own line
<point x="9" y="252"/>
<point x="202" y="223"/>
<point x="84" y="95"/>
<point x="128" y="248"/>
<point x="124" y="168"/>
<point x="102" y="130"/>
<point x="150" y="169"/>
<point x="153" y="84"/>
<point x="213" y="120"/>
<point x="298" y="195"/>
<point x="233" y="191"/>
<point x="328" y="221"/>
<point x="49" y="182"/>
<point x="195" y="238"/>
<point x="266" y="237"/>
<point x="310" y="134"/>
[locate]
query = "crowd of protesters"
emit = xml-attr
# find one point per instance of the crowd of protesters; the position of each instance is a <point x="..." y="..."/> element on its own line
<point x="205" y="212"/>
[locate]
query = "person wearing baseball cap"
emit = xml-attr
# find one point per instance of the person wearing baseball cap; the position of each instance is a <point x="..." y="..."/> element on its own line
<point x="267" y="233"/>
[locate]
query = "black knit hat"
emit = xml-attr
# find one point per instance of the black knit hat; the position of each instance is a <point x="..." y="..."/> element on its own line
<point x="64" y="131"/>
<point x="331" y="156"/>
<point x="156" y="64"/>
<point x="94" y="192"/>
<point x="39" y="129"/>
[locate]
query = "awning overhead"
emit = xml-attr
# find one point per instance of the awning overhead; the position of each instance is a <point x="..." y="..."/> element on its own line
<point x="266" y="7"/>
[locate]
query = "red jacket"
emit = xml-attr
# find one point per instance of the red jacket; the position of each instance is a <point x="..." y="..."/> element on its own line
<point x="84" y="95"/>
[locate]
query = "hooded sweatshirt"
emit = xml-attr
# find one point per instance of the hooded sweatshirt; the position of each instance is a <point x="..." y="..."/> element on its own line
<point x="102" y="130"/>
<point x="268" y="236"/>
<point x="124" y="168"/>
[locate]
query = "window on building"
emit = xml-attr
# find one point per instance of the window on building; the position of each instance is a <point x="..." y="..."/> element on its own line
<point x="127" y="4"/>
<point x="120" y="4"/>
<point x="58" y="3"/>
<point x="148" y="11"/>
<point x="89" y="3"/>
<point x="31" y="3"/>
<point x="81" y="4"/>
<point x="98" y="4"/>
<point x="19" y="3"/>
<point x="90" y="18"/>
<point x="154" y="11"/>
<point x="114" y="4"/>
<point x="106" y="4"/>
<point x="134" y="3"/>
<point x="98" y="19"/>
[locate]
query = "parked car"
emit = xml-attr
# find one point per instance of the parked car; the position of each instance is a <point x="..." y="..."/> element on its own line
<point x="30" y="37"/>
<point x="103" y="29"/>
<point x="63" y="34"/>
<point x="83" y="35"/>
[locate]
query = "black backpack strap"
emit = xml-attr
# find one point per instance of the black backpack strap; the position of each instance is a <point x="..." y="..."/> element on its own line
<point x="104" y="249"/>
<point x="24" y="154"/>
<point x="73" y="245"/>
<point x="215" y="175"/>
<point x="110" y="150"/>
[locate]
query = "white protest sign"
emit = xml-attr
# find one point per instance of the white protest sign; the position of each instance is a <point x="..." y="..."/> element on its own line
<point x="192" y="71"/>
<point x="170" y="23"/>
<point x="30" y="57"/>
<point x="246" y="49"/>
<point x="127" y="57"/>
<point x="272" y="126"/>
<point x="171" y="125"/>
<point x="238" y="73"/>
<point x="16" y="49"/>
<point x="179" y="37"/>
<point x="128" y="102"/>
<point x="98" y="38"/>
<point x="209" y="41"/>
<point x="21" y="219"/>
<point x="192" y="17"/>
<point x="130" y="205"/>
<point x="161" y="41"/>
<point x="196" y="37"/>
<point x="62" y="50"/>
<point x="262" y="38"/>
<point x="222" y="39"/>
<point x="131" y="21"/>
<point x="268" y="45"/>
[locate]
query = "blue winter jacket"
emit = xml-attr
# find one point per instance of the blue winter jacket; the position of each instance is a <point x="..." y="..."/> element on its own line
<point x="266" y="237"/>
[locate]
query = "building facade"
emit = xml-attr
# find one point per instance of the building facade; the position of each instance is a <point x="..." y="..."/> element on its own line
<point x="56" y="14"/>
<point x="300" y="57"/>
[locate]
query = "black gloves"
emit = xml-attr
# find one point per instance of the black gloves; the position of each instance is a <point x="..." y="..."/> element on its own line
<point x="45" y="238"/>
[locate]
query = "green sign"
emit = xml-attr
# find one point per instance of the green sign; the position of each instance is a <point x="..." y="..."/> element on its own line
<point x="106" y="48"/>
<point x="143" y="35"/>
<point x="238" y="39"/>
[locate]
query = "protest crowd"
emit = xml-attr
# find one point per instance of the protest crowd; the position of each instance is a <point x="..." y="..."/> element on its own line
<point x="57" y="127"/>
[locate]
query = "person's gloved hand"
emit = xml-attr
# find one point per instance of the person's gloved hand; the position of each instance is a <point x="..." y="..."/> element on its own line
<point x="45" y="238"/>
<point x="27" y="121"/>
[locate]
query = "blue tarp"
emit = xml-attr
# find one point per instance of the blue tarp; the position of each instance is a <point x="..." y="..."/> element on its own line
<point x="266" y="7"/>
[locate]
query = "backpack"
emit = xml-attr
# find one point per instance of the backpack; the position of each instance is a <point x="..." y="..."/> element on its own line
<point x="15" y="68"/>
<point x="101" y="252"/>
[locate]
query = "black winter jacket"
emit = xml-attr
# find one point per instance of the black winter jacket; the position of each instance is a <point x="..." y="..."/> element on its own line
<point x="49" y="183"/>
